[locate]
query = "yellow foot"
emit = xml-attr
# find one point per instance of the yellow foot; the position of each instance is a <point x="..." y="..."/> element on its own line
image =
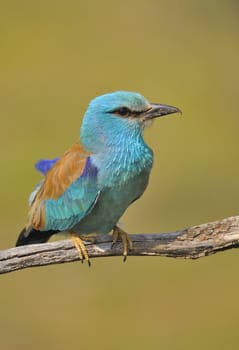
<point x="127" y="243"/>
<point x="80" y="246"/>
<point x="88" y="238"/>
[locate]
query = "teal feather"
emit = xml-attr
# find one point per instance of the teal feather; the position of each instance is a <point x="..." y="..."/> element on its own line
<point x="76" y="202"/>
<point x="115" y="174"/>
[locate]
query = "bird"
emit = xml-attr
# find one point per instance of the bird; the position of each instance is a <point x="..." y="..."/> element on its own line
<point x="88" y="188"/>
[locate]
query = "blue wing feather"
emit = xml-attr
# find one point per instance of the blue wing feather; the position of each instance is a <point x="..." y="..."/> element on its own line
<point x="75" y="203"/>
<point x="44" y="165"/>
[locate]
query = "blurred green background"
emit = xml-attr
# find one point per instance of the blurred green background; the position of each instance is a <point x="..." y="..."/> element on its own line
<point x="55" y="57"/>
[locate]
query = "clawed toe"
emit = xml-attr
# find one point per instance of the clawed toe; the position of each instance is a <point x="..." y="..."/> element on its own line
<point x="81" y="248"/>
<point x="126" y="241"/>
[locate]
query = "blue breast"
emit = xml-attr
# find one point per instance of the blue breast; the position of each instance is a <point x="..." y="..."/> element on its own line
<point x="121" y="181"/>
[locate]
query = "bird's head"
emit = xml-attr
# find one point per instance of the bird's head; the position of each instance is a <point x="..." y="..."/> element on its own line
<point x="119" y="113"/>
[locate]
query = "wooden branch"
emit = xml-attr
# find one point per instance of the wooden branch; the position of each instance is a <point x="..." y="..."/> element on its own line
<point x="190" y="243"/>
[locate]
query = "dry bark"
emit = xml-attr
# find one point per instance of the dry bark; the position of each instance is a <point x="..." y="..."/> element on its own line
<point x="190" y="243"/>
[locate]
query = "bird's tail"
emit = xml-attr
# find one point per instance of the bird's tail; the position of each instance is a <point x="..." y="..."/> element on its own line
<point x="34" y="236"/>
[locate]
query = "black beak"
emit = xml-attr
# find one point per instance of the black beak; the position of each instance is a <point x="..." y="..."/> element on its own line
<point x="159" y="110"/>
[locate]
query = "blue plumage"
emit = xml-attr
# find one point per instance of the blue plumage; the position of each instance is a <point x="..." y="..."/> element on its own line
<point x="44" y="165"/>
<point x="76" y="202"/>
<point x="88" y="189"/>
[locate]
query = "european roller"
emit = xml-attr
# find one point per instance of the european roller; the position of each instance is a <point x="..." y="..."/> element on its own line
<point x="91" y="185"/>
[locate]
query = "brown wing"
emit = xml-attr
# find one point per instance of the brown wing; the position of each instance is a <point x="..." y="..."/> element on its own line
<point x="63" y="173"/>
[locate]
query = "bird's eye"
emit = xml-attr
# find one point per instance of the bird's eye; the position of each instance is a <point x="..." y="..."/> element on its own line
<point x="122" y="111"/>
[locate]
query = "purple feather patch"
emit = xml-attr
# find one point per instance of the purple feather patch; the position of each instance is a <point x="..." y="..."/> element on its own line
<point x="44" y="165"/>
<point x="90" y="169"/>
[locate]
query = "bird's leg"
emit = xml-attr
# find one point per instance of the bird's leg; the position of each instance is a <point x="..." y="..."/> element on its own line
<point x="88" y="238"/>
<point x="127" y="243"/>
<point x="80" y="246"/>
